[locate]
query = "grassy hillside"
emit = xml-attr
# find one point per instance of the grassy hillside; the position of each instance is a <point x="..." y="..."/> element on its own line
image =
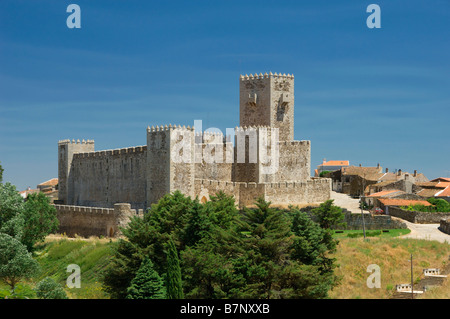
<point x="91" y="255"/>
<point x="353" y="256"/>
<point x="392" y="255"/>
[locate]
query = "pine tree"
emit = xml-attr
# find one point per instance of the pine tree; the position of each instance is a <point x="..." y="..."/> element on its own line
<point x="147" y="284"/>
<point x="174" y="284"/>
<point x="269" y="245"/>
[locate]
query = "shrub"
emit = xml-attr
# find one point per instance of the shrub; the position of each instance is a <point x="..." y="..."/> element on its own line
<point x="49" y="289"/>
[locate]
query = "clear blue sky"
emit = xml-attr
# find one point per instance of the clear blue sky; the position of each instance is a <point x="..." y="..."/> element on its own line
<point x="364" y="95"/>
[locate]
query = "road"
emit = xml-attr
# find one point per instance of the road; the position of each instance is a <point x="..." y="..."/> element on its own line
<point x="418" y="231"/>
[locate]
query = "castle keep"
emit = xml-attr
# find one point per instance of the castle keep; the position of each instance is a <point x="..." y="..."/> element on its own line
<point x="265" y="160"/>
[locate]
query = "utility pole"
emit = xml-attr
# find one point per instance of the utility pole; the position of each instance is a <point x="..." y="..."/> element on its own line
<point x="412" y="278"/>
<point x="362" y="215"/>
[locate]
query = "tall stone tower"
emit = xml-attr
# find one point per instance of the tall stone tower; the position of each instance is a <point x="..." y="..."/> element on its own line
<point x="268" y="100"/>
<point x="170" y="161"/>
<point x="66" y="149"/>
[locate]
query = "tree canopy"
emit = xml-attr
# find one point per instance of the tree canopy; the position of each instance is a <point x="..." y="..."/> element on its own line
<point x="224" y="252"/>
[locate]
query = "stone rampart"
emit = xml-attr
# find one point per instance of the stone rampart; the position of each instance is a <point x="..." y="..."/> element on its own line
<point x="102" y="178"/>
<point x="418" y="217"/>
<point x="94" y="221"/>
<point x="310" y="191"/>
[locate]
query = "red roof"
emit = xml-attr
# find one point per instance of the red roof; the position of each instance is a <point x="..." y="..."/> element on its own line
<point x="52" y="182"/>
<point x="402" y="202"/>
<point x="336" y="163"/>
<point x="444" y="193"/>
<point x="441" y="179"/>
<point x="383" y="193"/>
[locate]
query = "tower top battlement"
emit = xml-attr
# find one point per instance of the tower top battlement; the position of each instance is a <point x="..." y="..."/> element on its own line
<point x="268" y="100"/>
<point x="265" y="76"/>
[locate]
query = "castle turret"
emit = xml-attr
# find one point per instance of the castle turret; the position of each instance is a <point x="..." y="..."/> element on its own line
<point x="170" y="161"/>
<point x="66" y="150"/>
<point x="268" y="100"/>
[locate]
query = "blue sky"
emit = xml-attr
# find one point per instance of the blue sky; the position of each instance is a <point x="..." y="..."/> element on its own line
<point x="364" y="95"/>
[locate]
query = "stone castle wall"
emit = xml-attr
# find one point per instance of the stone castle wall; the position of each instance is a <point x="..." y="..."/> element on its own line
<point x="102" y="178"/>
<point x="284" y="193"/>
<point x="94" y="221"/>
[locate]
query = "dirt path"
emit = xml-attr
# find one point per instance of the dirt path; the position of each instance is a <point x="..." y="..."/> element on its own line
<point x="418" y="231"/>
<point x="345" y="201"/>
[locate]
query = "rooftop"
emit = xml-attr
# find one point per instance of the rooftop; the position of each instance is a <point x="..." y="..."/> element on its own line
<point x="52" y="182"/>
<point x="402" y="202"/>
<point x="388" y="192"/>
<point x="335" y="163"/>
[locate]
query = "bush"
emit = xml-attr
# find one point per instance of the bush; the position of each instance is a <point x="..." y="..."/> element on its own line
<point x="49" y="289"/>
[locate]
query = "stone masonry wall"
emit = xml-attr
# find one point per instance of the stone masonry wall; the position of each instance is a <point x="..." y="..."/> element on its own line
<point x="445" y="225"/>
<point x="102" y="178"/>
<point x="94" y="221"/>
<point x="311" y="191"/>
<point x="418" y="217"/>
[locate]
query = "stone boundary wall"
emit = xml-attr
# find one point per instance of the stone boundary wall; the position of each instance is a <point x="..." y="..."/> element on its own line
<point x="371" y="222"/>
<point x="311" y="191"/>
<point x="418" y="217"/>
<point x="94" y="221"/>
<point x="445" y="226"/>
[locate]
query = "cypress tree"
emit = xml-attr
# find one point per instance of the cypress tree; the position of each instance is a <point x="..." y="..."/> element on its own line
<point x="174" y="284"/>
<point x="147" y="284"/>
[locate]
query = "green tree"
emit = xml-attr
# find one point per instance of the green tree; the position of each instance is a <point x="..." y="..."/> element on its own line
<point x="16" y="263"/>
<point x="268" y="248"/>
<point x="148" y="236"/>
<point x="147" y="284"/>
<point x="208" y="266"/>
<point x="329" y="215"/>
<point x="1" y="174"/>
<point x="39" y="219"/>
<point x="11" y="209"/>
<point x="174" y="284"/>
<point x="47" y="288"/>
<point x="312" y="244"/>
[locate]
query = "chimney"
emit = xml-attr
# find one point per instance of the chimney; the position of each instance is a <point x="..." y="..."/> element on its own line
<point x="359" y="165"/>
<point x="378" y="165"/>
<point x="387" y="170"/>
<point x="399" y="172"/>
<point x="324" y="161"/>
<point x="415" y="173"/>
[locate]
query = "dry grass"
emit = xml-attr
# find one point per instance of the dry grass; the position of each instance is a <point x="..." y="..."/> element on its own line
<point x="392" y="255"/>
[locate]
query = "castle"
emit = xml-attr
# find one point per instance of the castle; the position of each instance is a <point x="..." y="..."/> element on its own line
<point x="265" y="160"/>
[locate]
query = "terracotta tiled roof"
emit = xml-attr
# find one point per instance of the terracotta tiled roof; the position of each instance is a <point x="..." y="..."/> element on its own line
<point x="52" y="182"/>
<point x="336" y="163"/>
<point x="443" y="193"/>
<point x="383" y="183"/>
<point x="427" y="184"/>
<point x="441" y="179"/>
<point x="362" y="171"/>
<point x="402" y="202"/>
<point x="428" y="192"/>
<point x="443" y="184"/>
<point x="385" y="193"/>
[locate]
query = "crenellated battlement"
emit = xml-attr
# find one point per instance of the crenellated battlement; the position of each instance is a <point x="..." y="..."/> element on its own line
<point x="121" y="151"/>
<point x="83" y="209"/>
<point x="261" y="76"/>
<point x="164" y="128"/>
<point x="68" y="141"/>
<point x="259" y="157"/>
